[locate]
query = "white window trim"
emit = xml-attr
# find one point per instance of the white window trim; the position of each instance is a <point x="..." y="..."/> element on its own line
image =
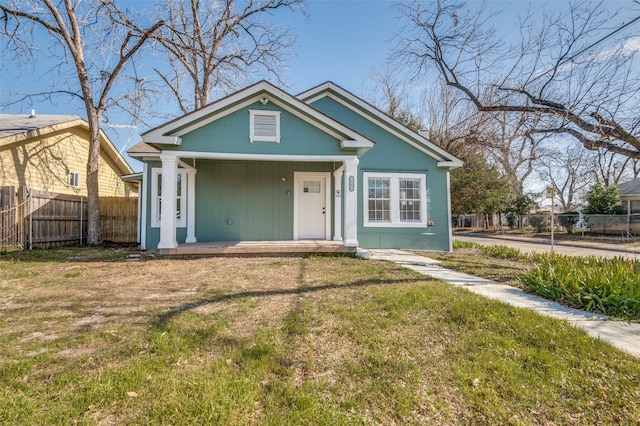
<point x="252" y="137"/>
<point x="76" y="179"/>
<point x="395" y="200"/>
<point x="156" y="174"/>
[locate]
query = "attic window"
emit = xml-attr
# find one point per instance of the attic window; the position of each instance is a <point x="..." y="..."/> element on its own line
<point x="265" y="126"/>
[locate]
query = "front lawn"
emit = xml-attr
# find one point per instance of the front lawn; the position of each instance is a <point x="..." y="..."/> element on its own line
<point x="88" y="336"/>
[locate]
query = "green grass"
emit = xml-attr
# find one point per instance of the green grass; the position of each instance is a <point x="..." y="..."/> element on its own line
<point x="288" y="341"/>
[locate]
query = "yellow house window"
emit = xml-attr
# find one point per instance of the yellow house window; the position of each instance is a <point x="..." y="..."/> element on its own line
<point x="74" y="180"/>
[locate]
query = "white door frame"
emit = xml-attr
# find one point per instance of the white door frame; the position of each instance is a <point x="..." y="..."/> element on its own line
<point x="296" y="209"/>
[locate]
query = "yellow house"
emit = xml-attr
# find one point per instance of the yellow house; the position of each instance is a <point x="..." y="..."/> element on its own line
<point x="50" y="153"/>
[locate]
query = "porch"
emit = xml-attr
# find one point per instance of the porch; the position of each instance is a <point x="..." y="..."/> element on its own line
<point x="257" y="248"/>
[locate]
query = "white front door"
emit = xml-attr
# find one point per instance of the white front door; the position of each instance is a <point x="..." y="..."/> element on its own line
<point x="312" y="206"/>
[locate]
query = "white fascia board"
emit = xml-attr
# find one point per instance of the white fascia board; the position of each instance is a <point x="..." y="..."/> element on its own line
<point x="393" y="126"/>
<point x="261" y="157"/>
<point x="161" y="139"/>
<point x="450" y="164"/>
<point x="203" y="112"/>
<point x="355" y="144"/>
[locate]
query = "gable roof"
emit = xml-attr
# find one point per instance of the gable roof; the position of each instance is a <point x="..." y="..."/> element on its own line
<point x="20" y="127"/>
<point x="365" y="109"/>
<point x="171" y="132"/>
<point x="630" y="188"/>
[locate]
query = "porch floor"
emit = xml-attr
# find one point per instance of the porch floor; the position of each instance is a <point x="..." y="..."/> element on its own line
<point x="231" y="248"/>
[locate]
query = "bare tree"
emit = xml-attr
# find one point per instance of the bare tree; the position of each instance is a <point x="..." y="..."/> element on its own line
<point x="503" y="138"/>
<point x="569" y="171"/>
<point x="555" y="70"/>
<point x="392" y="95"/>
<point x="508" y="142"/>
<point x="92" y="44"/>
<point x="611" y="169"/>
<point x="211" y="44"/>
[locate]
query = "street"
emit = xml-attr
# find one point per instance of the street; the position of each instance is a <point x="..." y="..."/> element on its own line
<point x="571" y="248"/>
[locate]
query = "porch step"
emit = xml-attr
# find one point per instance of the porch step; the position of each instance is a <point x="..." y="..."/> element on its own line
<point x="263" y="248"/>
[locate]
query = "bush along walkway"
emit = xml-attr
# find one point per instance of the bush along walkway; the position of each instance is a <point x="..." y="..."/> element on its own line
<point x="623" y="335"/>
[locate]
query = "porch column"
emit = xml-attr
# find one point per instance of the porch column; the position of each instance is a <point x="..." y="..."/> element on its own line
<point x="337" y="204"/>
<point x="351" y="203"/>
<point x="168" y="206"/>
<point x="191" y="206"/>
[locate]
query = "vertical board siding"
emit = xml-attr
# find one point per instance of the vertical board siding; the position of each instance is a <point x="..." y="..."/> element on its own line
<point x="252" y="195"/>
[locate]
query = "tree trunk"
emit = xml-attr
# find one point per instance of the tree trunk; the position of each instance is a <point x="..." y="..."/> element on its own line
<point x="94" y="231"/>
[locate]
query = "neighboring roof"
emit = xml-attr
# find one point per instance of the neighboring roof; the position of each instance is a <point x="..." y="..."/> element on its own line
<point x="171" y="132"/>
<point x="16" y="124"/>
<point x="135" y="177"/>
<point x="18" y="127"/>
<point x="630" y="188"/>
<point x="346" y="98"/>
<point x="142" y="148"/>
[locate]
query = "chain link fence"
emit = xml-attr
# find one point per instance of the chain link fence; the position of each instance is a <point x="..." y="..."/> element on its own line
<point x="611" y="225"/>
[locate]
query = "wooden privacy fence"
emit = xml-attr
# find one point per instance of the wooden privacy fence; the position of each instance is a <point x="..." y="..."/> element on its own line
<point x="119" y="219"/>
<point x="39" y="219"/>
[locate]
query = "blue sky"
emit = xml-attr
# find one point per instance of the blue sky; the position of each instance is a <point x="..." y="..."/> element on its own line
<point x="341" y="41"/>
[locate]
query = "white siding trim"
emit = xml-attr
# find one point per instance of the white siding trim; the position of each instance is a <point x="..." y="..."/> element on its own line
<point x="143" y="197"/>
<point x="337" y="203"/>
<point x="261" y="157"/>
<point x="449" y="212"/>
<point x="168" y="209"/>
<point x="351" y="203"/>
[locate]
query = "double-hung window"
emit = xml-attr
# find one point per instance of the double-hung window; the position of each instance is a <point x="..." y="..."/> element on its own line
<point x="264" y="125"/>
<point x="395" y="200"/>
<point x="156" y="197"/>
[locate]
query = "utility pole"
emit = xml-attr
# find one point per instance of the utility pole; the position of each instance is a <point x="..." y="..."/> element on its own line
<point x="551" y="193"/>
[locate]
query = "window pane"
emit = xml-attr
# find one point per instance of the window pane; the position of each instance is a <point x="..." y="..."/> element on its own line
<point x="311" y="186"/>
<point x="379" y="199"/>
<point x="409" y="199"/>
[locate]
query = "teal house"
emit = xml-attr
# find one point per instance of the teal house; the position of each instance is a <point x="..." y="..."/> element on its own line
<point x="262" y="165"/>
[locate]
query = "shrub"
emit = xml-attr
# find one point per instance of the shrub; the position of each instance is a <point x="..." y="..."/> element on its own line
<point x="568" y="220"/>
<point x="608" y="286"/>
<point x="540" y="223"/>
<point x="502" y="252"/>
<point x="513" y="220"/>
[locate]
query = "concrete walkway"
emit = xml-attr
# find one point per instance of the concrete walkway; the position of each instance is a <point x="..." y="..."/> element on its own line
<point x="623" y="335"/>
